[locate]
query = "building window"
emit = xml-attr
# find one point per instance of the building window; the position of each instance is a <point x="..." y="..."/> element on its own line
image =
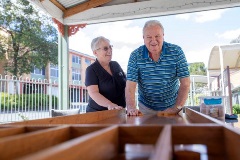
<point x="38" y="71"/>
<point x="76" y="75"/>
<point x="76" y="59"/>
<point x="88" y="62"/>
<point x="53" y="70"/>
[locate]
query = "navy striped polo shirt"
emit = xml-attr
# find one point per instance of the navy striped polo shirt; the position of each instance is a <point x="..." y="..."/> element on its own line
<point x="158" y="82"/>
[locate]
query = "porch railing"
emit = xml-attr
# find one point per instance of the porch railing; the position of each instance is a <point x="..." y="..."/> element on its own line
<point x="22" y="99"/>
<point x="27" y="99"/>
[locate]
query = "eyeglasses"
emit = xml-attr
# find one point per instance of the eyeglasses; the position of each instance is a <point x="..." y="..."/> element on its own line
<point x="106" y="48"/>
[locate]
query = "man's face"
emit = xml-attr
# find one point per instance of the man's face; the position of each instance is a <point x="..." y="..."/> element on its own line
<point x="153" y="39"/>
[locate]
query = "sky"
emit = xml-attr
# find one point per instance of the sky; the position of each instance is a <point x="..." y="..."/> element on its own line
<point x="196" y="33"/>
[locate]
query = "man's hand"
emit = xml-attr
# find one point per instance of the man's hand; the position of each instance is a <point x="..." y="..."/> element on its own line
<point x="169" y="111"/>
<point x="133" y="112"/>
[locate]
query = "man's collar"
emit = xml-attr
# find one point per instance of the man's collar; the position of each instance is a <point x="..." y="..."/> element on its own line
<point x="145" y="51"/>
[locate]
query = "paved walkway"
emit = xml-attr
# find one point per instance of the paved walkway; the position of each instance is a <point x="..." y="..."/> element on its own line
<point x="20" y="116"/>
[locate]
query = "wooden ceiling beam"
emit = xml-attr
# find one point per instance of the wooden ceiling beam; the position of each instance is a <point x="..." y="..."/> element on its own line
<point x="59" y="5"/>
<point x="84" y="6"/>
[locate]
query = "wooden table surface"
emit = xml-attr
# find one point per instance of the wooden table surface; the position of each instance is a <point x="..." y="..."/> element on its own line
<point x="180" y="119"/>
<point x="114" y="135"/>
<point x="145" y="120"/>
<point x="120" y="117"/>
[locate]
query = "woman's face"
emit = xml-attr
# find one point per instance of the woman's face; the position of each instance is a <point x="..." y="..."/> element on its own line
<point x="104" y="52"/>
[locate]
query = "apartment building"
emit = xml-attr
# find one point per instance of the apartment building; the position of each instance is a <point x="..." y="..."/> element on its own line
<point x="78" y="62"/>
<point x="45" y="80"/>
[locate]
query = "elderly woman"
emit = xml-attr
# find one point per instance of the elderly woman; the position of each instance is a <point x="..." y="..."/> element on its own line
<point x="105" y="79"/>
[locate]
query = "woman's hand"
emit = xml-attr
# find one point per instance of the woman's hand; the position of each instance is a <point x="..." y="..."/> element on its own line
<point x="114" y="106"/>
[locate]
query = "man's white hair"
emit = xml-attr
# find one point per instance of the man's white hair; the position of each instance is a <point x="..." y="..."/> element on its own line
<point x="152" y="23"/>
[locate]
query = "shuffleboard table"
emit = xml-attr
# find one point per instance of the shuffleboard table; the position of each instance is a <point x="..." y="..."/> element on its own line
<point x="112" y="135"/>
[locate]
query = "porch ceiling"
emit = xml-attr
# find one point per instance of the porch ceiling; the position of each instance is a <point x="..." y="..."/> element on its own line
<point x="230" y="55"/>
<point x="70" y="12"/>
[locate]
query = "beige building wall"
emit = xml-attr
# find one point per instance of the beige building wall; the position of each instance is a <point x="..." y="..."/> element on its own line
<point x="83" y="69"/>
<point x="3" y="73"/>
<point x="83" y="66"/>
<point x="2" y="67"/>
<point x="70" y="66"/>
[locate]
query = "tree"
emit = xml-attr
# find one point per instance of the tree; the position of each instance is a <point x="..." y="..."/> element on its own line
<point x="197" y="68"/>
<point x="31" y="38"/>
<point x="3" y="45"/>
<point x="237" y="40"/>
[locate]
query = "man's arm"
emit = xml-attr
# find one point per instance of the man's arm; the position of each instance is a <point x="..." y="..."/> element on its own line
<point x="183" y="91"/>
<point x="130" y="98"/>
<point x="181" y="98"/>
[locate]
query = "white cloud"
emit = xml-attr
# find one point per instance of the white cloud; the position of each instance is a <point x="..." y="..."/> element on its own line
<point x="183" y="16"/>
<point x="206" y="16"/>
<point x="81" y="42"/>
<point x="230" y="35"/>
<point x="127" y="36"/>
<point x="121" y="32"/>
<point x="198" y="56"/>
<point x="121" y="55"/>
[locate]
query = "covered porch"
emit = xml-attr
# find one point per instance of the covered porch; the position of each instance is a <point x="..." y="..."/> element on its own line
<point x="70" y="16"/>
<point x="224" y="65"/>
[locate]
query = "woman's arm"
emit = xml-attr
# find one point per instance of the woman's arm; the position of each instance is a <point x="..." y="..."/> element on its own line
<point x="93" y="92"/>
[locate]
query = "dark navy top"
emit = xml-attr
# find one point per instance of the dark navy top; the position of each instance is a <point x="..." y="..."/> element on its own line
<point x="111" y="87"/>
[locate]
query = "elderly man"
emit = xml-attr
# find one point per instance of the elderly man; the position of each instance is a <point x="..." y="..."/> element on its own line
<point x="161" y="71"/>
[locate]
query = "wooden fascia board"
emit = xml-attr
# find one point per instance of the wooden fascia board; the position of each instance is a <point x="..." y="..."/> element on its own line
<point x="84" y="6"/>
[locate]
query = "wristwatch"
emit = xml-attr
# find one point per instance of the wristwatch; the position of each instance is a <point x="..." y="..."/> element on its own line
<point x="179" y="107"/>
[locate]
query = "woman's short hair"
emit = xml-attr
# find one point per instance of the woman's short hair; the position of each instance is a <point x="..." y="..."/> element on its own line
<point x="96" y="41"/>
<point x="152" y="23"/>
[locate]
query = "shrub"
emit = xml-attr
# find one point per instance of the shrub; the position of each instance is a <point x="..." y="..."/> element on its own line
<point x="27" y="102"/>
<point x="236" y="109"/>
